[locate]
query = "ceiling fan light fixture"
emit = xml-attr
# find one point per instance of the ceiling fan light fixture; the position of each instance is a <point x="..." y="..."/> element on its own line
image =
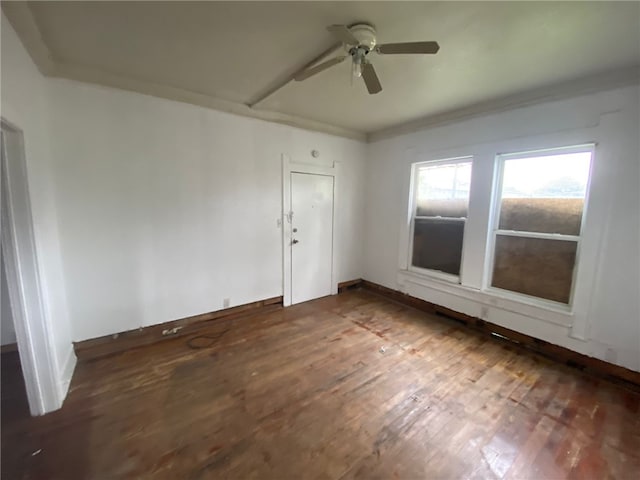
<point x="358" y="41"/>
<point x="356" y="70"/>
<point x="358" y="61"/>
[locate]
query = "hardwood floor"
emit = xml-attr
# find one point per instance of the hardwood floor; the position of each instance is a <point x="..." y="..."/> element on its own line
<point x="350" y="386"/>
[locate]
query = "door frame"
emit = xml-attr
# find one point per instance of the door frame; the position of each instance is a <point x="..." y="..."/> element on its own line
<point x="37" y="358"/>
<point x="289" y="167"/>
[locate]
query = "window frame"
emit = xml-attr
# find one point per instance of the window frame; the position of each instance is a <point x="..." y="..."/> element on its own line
<point x="413" y="204"/>
<point x="494" y="231"/>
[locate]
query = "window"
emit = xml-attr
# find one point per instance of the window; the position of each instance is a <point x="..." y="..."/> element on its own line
<point x="441" y="198"/>
<point x="538" y="219"/>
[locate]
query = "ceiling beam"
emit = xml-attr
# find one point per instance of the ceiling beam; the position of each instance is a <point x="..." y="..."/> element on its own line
<point x="91" y="75"/>
<point x="21" y="18"/>
<point x="282" y="83"/>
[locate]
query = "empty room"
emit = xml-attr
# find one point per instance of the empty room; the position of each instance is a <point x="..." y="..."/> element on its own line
<point x="331" y="240"/>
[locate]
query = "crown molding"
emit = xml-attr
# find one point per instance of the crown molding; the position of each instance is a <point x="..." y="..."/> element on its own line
<point x="573" y="88"/>
<point x="98" y="77"/>
<point x="21" y="18"/>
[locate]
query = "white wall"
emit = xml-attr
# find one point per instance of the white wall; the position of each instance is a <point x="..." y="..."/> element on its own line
<point x="165" y="208"/>
<point x="147" y="210"/>
<point x="605" y="321"/>
<point x="24" y="104"/>
<point x="7" y="330"/>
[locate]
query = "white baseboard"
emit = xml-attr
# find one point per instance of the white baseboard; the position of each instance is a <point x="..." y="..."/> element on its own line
<point x="66" y="375"/>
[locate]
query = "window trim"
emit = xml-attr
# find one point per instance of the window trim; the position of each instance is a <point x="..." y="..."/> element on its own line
<point x="494" y="231"/>
<point x="413" y="203"/>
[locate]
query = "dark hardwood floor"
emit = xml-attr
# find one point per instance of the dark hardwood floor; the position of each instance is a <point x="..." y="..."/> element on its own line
<point x="350" y="386"/>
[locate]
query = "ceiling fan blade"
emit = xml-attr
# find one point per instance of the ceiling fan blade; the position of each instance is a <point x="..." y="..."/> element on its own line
<point x="319" y="68"/>
<point x="371" y="79"/>
<point x="410" y="47"/>
<point x="342" y="33"/>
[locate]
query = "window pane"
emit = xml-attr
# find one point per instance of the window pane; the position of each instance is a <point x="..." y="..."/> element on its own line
<point x="443" y="190"/>
<point x="539" y="267"/>
<point x="544" y="215"/>
<point x="437" y="244"/>
<point x="545" y="194"/>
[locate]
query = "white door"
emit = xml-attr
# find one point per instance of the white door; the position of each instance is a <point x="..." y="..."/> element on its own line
<point x="311" y="236"/>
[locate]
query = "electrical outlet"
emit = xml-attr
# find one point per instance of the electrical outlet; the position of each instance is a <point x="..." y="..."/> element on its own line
<point x="226" y="302"/>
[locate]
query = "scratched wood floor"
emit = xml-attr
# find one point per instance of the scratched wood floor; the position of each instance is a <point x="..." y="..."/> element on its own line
<point x="350" y="386"/>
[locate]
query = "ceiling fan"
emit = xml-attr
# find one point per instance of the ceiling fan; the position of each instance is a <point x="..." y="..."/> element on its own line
<point x="359" y="40"/>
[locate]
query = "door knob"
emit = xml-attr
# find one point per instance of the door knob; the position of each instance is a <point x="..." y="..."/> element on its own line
<point x="294" y="241"/>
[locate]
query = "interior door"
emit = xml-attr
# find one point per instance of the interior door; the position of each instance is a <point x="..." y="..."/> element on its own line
<point x="311" y="236"/>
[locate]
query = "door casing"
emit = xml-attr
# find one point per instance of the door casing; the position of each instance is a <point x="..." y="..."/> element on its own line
<point x="289" y="167"/>
<point x="37" y="358"/>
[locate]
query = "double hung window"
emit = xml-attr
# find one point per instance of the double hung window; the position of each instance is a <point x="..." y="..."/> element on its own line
<point x="538" y="216"/>
<point x="439" y="213"/>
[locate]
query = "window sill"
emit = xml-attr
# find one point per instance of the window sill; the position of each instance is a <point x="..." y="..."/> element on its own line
<point x="435" y="275"/>
<point x="556" y="315"/>
<point x="549" y="305"/>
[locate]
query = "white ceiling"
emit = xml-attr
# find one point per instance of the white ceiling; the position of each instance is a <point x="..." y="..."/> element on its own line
<point x="238" y="50"/>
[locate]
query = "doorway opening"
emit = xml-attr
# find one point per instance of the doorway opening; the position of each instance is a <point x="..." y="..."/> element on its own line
<point x="308" y="233"/>
<point x="23" y="286"/>
<point x="14" y="404"/>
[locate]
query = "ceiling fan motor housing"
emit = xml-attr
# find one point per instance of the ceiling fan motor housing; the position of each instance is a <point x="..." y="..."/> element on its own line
<point x="358" y="40"/>
<point x="365" y="34"/>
